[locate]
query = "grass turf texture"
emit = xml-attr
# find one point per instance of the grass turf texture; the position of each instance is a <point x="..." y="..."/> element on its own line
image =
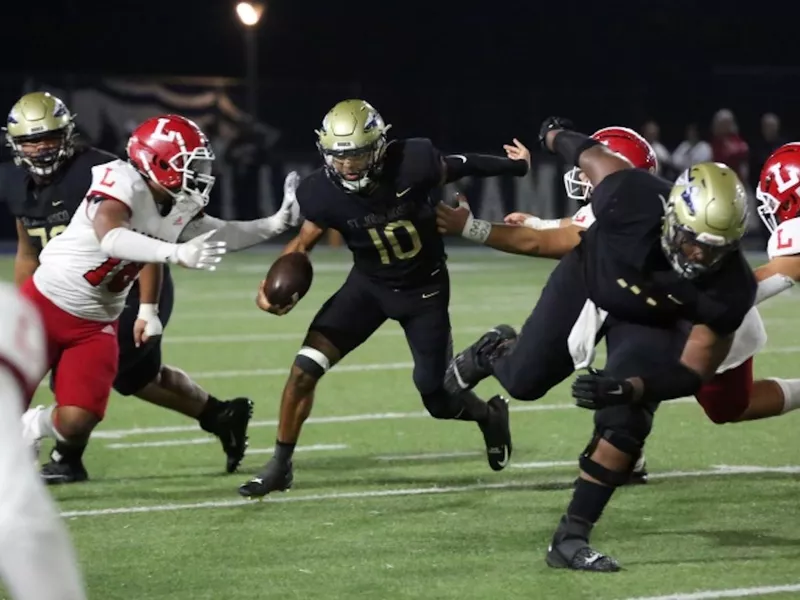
<point x="393" y="504"/>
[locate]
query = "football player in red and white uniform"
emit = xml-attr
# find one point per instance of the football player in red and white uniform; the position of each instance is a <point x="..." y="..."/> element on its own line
<point x="135" y="212"/>
<point x="732" y="395"/>
<point x="37" y="561"/>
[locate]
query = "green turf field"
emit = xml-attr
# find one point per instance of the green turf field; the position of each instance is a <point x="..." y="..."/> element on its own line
<point x="389" y="503"/>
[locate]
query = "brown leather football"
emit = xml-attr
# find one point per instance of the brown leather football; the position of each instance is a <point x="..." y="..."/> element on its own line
<point x="288" y="279"/>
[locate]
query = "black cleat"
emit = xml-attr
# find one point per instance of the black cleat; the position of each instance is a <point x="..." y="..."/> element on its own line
<point x="230" y="426"/>
<point x="570" y="549"/>
<point x="56" y="473"/>
<point x="474" y="364"/>
<point x="274" y="477"/>
<point x="584" y="559"/>
<point x="639" y="474"/>
<point x="497" y="434"/>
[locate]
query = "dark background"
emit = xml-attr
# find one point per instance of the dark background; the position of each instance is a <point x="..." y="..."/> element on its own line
<point x="469" y="75"/>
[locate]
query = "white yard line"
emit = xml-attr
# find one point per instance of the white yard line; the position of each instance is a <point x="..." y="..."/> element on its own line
<point x="731" y="593"/>
<point x="428" y="456"/>
<point x="310" y="448"/>
<point x="420" y="491"/>
<point x="533" y="407"/>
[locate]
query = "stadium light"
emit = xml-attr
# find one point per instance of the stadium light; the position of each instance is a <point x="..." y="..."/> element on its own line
<point x="249" y="13"/>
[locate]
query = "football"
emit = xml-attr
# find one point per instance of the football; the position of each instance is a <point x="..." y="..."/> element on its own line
<point x="288" y="279"/>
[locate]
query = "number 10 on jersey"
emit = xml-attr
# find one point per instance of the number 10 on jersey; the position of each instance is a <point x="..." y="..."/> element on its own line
<point x="386" y="238"/>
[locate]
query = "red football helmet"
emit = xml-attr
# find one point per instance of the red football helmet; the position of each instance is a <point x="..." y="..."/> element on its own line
<point x="173" y="152"/>
<point x="620" y="140"/>
<point x="778" y="188"/>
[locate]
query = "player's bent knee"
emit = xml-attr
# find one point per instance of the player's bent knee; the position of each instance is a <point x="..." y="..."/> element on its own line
<point x="621" y="441"/>
<point x="312" y="362"/>
<point x="75" y="423"/>
<point x="525" y="386"/>
<point x="441" y="405"/>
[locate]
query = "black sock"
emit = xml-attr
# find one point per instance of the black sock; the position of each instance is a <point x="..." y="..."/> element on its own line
<point x="475" y="409"/>
<point x="209" y="413"/>
<point x="283" y="451"/>
<point x="588" y="500"/>
<point x="67" y="453"/>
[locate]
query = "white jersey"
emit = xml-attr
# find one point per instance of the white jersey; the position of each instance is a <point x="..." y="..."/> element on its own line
<point x="37" y="561"/>
<point x="584" y="217"/>
<point x="785" y="240"/>
<point x="75" y="274"/>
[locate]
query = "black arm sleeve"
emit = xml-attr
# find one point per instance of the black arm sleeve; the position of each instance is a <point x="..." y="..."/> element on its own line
<point x="482" y="165"/>
<point x="570" y="144"/>
<point x="676" y="382"/>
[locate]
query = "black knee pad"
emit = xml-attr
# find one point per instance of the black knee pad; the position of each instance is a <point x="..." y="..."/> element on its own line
<point x="622" y="442"/>
<point x="441" y="405"/>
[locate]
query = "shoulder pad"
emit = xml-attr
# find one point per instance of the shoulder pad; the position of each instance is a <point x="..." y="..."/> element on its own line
<point x="117" y="180"/>
<point x="785" y="240"/>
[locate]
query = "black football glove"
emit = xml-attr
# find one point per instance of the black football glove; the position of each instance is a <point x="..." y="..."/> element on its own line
<point x="597" y="390"/>
<point x="549" y="124"/>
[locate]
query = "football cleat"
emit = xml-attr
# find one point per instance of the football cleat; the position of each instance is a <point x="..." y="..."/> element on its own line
<point x="57" y="473"/>
<point x="230" y="426"/>
<point x="584" y="559"/>
<point x="474" y="364"/>
<point x="497" y="434"/>
<point x="570" y="549"/>
<point x="274" y="477"/>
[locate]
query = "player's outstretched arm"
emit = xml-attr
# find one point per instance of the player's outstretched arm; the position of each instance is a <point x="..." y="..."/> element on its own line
<point x="578" y="149"/>
<point x="702" y="355"/>
<point x="239" y="235"/>
<point x="111" y="221"/>
<point x="310" y="234"/>
<point x="516" y="163"/>
<point x="545" y="243"/>
<point x="26" y="260"/>
<point x="778" y="275"/>
<point x="528" y="220"/>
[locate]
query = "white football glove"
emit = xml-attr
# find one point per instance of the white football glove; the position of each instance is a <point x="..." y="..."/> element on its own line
<point x="290" y="209"/>
<point x="198" y="253"/>
<point x="147" y="324"/>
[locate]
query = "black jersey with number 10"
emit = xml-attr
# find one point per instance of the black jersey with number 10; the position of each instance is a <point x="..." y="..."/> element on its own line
<point x="391" y="231"/>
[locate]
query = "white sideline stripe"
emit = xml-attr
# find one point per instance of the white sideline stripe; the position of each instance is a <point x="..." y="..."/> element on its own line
<point x="455" y="489"/>
<point x="547" y="464"/>
<point x="310" y="448"/>
<point x="283" y="336"/>
<point x="429" y="456"/>
<point x="213" y="440"/>
<point x="120" y="433"/>
<point x="733" y="593"/>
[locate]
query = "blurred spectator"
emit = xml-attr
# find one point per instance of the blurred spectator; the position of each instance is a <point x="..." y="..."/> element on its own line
<point x="769" y="141"/>
<point x="652" y="132"/>
<point x="727" y="145"/>
<point x="691" y="150"/>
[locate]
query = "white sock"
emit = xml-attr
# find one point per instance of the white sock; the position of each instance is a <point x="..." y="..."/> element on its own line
<point x="791" y="393"/>
<point x="42" y="424"/>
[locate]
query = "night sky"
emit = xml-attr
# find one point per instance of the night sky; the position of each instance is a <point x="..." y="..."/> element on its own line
<point x="442" y="64"/>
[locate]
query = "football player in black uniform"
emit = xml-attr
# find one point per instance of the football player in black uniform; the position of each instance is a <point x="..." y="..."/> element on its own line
<point x="377" y="194"/>
<point x="660" y="275"/>
<point x="43" y="187"/>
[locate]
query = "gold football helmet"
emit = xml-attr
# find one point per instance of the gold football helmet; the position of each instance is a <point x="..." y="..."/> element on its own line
<point x="352" y="141"/>
<point x="705" y="218"/>
<point x="40" y="131"/>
